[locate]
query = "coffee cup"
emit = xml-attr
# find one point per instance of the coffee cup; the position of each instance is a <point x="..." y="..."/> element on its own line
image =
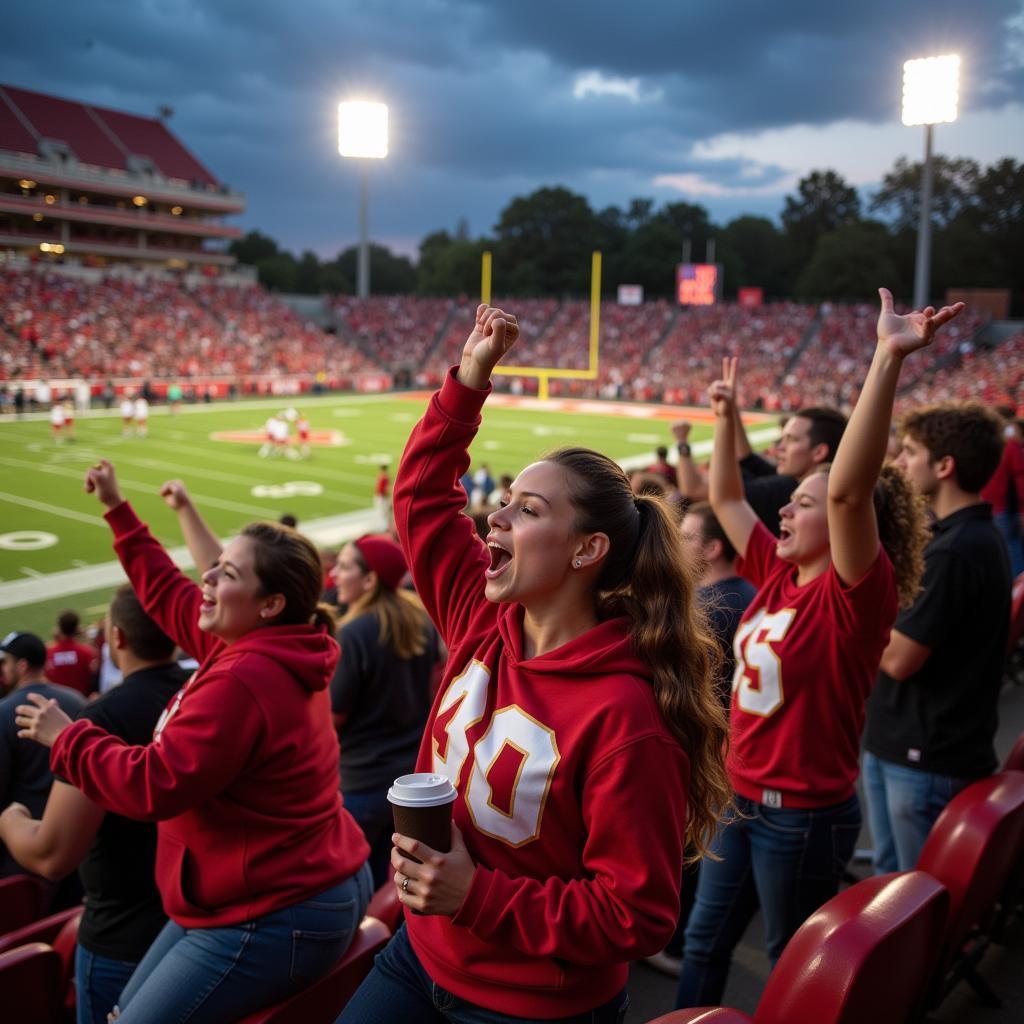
<point x="422" y="807"/>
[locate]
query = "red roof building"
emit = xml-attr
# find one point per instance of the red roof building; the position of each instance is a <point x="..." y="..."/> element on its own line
<point x="80" y="183"/>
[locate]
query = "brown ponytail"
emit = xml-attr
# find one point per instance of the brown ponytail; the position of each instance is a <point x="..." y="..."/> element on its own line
<point x="647" y="578"/>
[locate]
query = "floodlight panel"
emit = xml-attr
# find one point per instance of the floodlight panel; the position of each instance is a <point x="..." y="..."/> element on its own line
<point x="363" y="129"/>
<point x="931" y="89"/>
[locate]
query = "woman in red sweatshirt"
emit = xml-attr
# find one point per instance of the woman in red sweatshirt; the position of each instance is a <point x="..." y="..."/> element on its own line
<point x="577" y="721"/>
<point x="261" y="870"/>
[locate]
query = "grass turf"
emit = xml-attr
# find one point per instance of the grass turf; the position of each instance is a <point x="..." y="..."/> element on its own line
<point x="41" y="482"/>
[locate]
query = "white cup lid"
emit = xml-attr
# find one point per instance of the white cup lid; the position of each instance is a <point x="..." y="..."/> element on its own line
<point x="422" y="789"/>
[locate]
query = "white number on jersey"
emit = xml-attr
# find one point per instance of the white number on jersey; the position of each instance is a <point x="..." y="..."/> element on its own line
<point x="757" y="684"/>
<point x="510" y="767"/>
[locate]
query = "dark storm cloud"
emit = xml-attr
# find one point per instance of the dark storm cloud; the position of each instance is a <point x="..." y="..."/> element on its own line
<point x="482" y="94"/>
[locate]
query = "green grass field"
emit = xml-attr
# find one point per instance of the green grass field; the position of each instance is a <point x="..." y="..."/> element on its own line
<point x="54" y="544"/>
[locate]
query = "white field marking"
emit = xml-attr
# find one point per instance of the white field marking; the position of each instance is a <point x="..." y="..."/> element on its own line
<point x="289" y="489"/>
<point x="144" y="488"/>
<point x="27" y="540"/>
<point x="32" y="573"/>
<point x="493" y="446"/>
<point x="41" y="506"/>
<point x="644" y="438"/>
<point x="401" y="417"/>
<point x="78" y="563"/>
<point x="329" y="531"/>
<point x="96" y="609"/>
<point x="223" y="405"/>
<point x="373" y="459"/>
<point x="347" y="412"/>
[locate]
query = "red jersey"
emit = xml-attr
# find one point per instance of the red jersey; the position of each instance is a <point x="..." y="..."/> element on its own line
<point x="1008" y="478"/>
<point x="380" y="489"/>
<point x="572" y="792"/>
<point x="242" y="773"/>
<point x="72" y="664"/>
<point x="806" y="659"/>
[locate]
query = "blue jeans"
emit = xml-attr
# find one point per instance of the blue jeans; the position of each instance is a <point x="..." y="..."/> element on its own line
<point x="211" y="975"/>
<point x="98" y="982"/>
<point x="1009" y="526"/>
<point x="398" y="989"/>
<point x="373" y="814"/>
<point x="903" y="804"/>
<point x="788" y="860"/>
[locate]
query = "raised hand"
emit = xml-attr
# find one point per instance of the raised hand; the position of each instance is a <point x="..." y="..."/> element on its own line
<point x="102" y="481"/>
<point x="175" y="495"/>
<point x="494" y="333"/>
<point x="681" y="431"/>
<point x="902" y="335"/>
<point x="722" y="393"/>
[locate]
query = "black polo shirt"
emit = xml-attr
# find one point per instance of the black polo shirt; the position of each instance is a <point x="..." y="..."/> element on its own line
<point x="942" y="719"/>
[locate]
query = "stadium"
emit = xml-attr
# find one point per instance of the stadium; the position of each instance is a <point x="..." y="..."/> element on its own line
<point x="134" y="332"/>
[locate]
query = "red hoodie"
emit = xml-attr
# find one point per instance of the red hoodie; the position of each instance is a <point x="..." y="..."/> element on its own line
<point x="572" y="792"/>
<point x="242" y="773"/>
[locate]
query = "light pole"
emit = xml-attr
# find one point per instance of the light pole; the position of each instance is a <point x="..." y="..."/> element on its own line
<point x="931" y="87"/>
<point x="363" y="134"/>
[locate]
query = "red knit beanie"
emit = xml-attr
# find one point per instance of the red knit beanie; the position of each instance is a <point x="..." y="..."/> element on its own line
<point x="384" y="557"/>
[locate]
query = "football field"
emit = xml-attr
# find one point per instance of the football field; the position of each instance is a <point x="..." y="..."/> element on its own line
<point x="55" y="548"/>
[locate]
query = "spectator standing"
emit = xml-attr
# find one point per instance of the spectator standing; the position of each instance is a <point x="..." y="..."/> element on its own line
<point x="115" y="855"/>
<point x="69" y="661"/>
<point x="380" y="693"/>
<point x="1005" y="491"/>
<point x="382" y="497"/>
<point x="25" y="776"/>
<point x="933" y="712"/>
<point x="807" y="652"/>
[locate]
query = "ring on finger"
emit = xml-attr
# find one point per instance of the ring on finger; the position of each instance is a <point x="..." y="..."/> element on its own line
<point x="405" y="885"/>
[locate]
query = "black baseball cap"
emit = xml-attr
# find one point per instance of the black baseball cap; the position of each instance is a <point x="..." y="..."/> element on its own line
<point x="25" y="646"/>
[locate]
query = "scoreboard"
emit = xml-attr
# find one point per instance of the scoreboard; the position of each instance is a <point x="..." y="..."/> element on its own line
<point x="698" y="284"/>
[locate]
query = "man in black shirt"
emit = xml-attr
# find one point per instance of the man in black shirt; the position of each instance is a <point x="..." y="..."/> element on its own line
<point x="114" y="855"/>
<point x="933" y="713"/>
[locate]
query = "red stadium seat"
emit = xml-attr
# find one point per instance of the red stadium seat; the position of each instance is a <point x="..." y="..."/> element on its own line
<point x="972" y="849"/>
<point x="385" y="905"/>
<point x="325" y="999"/>
<point x="21" y="901"/>
<point x="30" y="984"/>
<point x="838" y="967"/>
<point x="64" y="945"/>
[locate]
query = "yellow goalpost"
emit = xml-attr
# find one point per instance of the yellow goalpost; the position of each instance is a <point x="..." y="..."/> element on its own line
<point x="546" y="373"/>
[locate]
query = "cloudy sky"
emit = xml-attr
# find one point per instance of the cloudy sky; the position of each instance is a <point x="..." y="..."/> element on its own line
<point x="725" y="103"/>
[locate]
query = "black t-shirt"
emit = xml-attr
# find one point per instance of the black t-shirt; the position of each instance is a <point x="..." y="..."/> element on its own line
<point x="385" y="700"/>
<point x="765" y="490"/>
<point x="25" y="775"/>
<point x="942" y="719"/>
<point x="123" y="912"/>
<point x="725" y="602"/>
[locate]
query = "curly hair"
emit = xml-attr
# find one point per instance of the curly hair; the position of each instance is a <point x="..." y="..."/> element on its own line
<point x="902" y="529"/>
<point x="968" y="431"/>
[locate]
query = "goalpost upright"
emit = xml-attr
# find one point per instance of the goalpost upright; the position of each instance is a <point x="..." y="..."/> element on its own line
<point x="546" y="373"/>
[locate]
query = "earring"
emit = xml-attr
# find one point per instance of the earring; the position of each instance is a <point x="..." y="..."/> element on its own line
<point x="577" y="563"/>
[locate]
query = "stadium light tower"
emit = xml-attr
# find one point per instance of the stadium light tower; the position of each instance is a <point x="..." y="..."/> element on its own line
<point x="363" y="134"/>
<point x="931" y="89"/>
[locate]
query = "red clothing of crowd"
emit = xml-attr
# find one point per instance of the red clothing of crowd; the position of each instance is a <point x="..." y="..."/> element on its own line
<point x="73" y="664"/>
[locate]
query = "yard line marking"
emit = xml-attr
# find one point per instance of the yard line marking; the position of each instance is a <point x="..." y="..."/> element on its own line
<point x="34" y="573"/>
<point x="42" y="506"/>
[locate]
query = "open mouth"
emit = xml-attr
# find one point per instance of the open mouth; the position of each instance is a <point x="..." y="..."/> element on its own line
<point x="785" y="533"/>
<point x="207" y="605"/>
<point x="500" y="560"/>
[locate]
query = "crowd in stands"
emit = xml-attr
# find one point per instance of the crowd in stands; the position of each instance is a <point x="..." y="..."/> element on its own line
<point x="805" y="608"/>
<point x="61" y="327"/>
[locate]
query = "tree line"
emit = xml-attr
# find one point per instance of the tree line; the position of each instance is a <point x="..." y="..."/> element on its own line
<point x="831" y="243"/>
